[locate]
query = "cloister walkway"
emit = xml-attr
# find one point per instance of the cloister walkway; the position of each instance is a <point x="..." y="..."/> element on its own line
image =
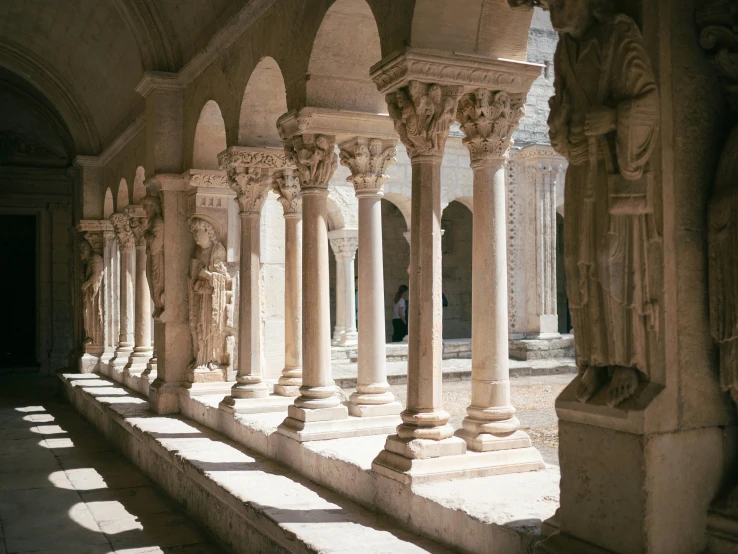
<point x="65" y="490"/>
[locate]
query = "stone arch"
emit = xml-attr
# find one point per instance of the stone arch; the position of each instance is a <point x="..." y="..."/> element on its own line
<point x="210" y="137"/>
<point x="122" y="196"/>
<point x="457" y="269"/>
<point x="108" y="206"/>
<point x="395" y="255"/>
<point x="346" y="46"/>
<point x="264" y="100"/>
<point x="335" y="215"/>
<point x="487" y="27"/>
<point x="402" y="203"/>
<point x="139" y="189"/>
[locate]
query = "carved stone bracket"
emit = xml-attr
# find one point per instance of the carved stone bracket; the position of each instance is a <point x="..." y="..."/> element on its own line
<point x="488" y="119"/>
<point x="368" y="160"/>
<point x="123" y="232"/>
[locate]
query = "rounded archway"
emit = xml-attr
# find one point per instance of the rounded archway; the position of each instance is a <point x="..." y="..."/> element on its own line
<point x="210" y="137"/>
<point x="396" y="256"/>
<point x="264" y="100"/>
<point x="346" y="46"/>
<point x="122" y="196"/>
<point x="108" y="205"/>
<point x="139" y="189"/>
<point x="456" y="223"/>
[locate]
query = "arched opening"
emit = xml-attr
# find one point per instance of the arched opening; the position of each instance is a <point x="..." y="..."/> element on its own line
<point x="562" y="302"/>
<point x="139" y="190"/>
<point x="396" y="257"/>
<point x="122" y="196"/>
<point x="210" y="137"/>
<point x="108" y="206"/>
<point x="456" y="246"/>
<point x="345" y="47"/>
<point x="264" y="100"/>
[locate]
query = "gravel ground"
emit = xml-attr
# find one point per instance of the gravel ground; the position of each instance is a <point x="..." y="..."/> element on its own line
<point x="533" y="397"/>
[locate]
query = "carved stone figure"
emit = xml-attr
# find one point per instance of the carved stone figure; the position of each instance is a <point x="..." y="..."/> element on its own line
<point x="123" y="231"/>
<point x="92" y="301"/>
<point x="718" y="20"/>
<point x="604" y="120"/>
<point x="210" y="294"/>
<point x="154" y="236"/>
<point x="314" y="158"/>
<point x="422" y="115"/>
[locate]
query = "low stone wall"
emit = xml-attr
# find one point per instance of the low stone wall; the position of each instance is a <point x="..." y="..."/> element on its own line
<point x="540" y="349"/>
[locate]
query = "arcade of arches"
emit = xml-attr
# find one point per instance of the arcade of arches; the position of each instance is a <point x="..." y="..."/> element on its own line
<point x="206" y="205"/>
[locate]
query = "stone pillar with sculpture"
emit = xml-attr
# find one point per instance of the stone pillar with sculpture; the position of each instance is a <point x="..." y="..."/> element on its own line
<point x="287" y="186"/>
<point x="251" y="176"/>
<point x="422" y="107"/>
<point x="344" y="243"/>
<point x="92" y="271"/>
<point x="142" y="348"/>
<point x="368" y="160"/>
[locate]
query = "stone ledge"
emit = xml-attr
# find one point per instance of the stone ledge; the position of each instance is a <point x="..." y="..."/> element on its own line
<point x="542" y="348"/>
<point x="251" y="504"/>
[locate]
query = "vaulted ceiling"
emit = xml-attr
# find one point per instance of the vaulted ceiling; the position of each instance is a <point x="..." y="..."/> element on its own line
<point x="86" y="56"/>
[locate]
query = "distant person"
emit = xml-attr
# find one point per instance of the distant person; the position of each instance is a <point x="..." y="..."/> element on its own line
<point x="399" y="315"/>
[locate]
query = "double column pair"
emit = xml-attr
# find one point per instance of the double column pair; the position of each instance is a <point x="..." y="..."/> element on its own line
<point x="425" y="446"/>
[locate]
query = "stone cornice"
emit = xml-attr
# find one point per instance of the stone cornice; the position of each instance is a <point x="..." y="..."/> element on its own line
<point x="535" y="153"/>
<point x="87" y="161"/>
<point x="158" y="80"/>
<point x="94" y="226"/>
<point x="120" y="142"/>
<point x="338" y="123"/>
<point x="452" y="68"/>
<point x="236" y="157"/>
<point x="207" y="178"/>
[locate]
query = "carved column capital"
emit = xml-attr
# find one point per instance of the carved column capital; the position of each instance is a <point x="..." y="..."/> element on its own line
<point x="422" y="114"/>
<point x="344" y="247"/>
<point x="123" y="232"/>
<point x="138" y="223"/>
<point x="250" y="173"/>
<point x="368" y="160"/>
<point x="314" y="157"/>
<point x="287" y="187"/>
<point x="488" y="119"/>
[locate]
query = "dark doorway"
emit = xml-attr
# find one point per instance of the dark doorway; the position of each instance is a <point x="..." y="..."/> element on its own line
<point x="562" y="303"/>
<point x="18" y="326"/>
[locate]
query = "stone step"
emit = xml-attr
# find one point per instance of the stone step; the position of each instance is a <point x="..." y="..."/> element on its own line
<point x="250" y="503"/>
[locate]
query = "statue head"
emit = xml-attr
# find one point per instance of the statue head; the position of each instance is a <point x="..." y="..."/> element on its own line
<point x="203" y="233"/>
<point x="85" y="250"/>
<point x="321" y="142"/>
<point x="574" y="17"/>
<point x="151" y="205"/>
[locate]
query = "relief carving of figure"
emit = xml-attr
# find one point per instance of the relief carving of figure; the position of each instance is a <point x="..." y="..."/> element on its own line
<point x="154" y="236"/>
<point x="210" y="295"/>
<point x="92" y="301"/>
<point x="604" y="119"/>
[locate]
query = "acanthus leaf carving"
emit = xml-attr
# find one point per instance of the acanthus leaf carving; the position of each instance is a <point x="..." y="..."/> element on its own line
<point x="488" y="119"/>
<point x="422" y="114"/>
<point x="212" y="180"/>
<point x="251" y="186"/>
<point x="368" y="160"/>
<point x="345" y="247"/>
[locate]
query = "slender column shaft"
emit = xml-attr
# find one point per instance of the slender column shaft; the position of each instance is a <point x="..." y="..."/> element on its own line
<point x="142" y="351"/>
<point x="125" y="337"/>
<point x="249" y="381"/>
<point x="291" y="377"/>
<point x="318" y="390"/>
<point x="424" y="417"/>
<point x="372" y="396"/>
<point x="340" y="327"/>
<point x="349" y="303"/>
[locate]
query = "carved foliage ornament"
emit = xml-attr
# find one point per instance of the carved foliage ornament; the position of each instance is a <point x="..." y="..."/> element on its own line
<point x="314" y="157"/>
<point x="488" y="119"/>
<point x="368" y="162"/>
<point x="422" y="115"/>
<point x="212" y="180"/>
<point x="123" y="231"/>
<point x="287" y="187"/>
<point x="345" y="247"/>
<point x="249" y="157"/>
<point x="251" y="186"/>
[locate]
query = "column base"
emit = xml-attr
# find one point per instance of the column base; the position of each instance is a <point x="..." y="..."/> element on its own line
<point x="290" y="391"/>
<point x="206" y="375"/>
<point x="374" y="410"/>
<point x="272" y="403"/>
<point x="164" y="398"/>
<point x="564" y="544"/>
<point x="89" y="362"/>
<point x="412" y="461"/>
<point x="137" y="364"/>
<point x="484" y="442"/>
<point x="333" y="423"/>
<point x="121" y="357"/>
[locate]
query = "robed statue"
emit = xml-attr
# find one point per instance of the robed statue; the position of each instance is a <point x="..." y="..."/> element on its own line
<point x="604" y="120"/>
<point x="154" y="236"/>
<point x="92" y="292"/>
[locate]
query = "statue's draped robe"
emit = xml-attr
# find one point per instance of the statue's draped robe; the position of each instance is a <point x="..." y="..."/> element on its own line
<point x="606" y="255"/>
<point x="208" y="306"/>
<point x="155" y="265"/>
<point x="92" y="296"/>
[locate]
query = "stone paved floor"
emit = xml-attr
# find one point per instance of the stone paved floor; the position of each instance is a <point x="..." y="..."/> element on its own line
<point x="533" y="397"/>
<point x="64" y="490"/>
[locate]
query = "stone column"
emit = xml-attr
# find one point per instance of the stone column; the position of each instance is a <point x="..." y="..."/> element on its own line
<point x="288" y="188"/>
<point x="316" y="161"/>
<point x="368" y="160"/>
<point x="488" y="118"/>
<point x="424" y="446"/>
<point x="111" y="284"/>
<point x="126" y="241"/>
<point x="142" y="351"/>
<point x="344" y="243"/>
